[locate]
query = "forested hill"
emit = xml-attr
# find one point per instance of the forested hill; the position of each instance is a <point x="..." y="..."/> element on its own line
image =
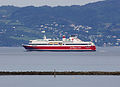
<point x="98" y="22"/>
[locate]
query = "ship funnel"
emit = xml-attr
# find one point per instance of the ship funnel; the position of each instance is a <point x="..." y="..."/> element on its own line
<point x="63" y="38"/>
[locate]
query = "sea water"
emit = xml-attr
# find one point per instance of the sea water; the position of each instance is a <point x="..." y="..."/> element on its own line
<point x="18" y="59"/>
<point x="59" y="81"/>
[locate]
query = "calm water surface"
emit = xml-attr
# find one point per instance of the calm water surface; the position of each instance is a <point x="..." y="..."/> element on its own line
<point x="17" y="59"/>
<point x="60" y="81"/>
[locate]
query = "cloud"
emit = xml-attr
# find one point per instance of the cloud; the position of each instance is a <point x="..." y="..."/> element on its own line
<point x="22" y="3"/>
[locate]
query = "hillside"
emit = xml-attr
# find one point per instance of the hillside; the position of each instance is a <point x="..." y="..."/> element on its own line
<point x="98" y="22"/>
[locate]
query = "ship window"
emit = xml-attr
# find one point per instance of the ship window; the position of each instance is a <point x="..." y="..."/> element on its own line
<point x="60" y="43"/>
<point x="51" y="40"/>
<point x="38" y="44"/>
<point x="77" y="44"/>
<point x="30" y="41"/>
<point x="55" y="44"/>
<point x="49" y="44"/>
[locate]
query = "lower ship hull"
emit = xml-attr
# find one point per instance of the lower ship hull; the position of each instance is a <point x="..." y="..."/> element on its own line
<point x="60" y="48"/>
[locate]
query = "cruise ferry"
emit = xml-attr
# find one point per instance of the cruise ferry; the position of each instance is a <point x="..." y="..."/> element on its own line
<point x="70" y="44"/>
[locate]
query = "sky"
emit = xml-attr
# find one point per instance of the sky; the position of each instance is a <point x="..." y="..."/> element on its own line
<point x="22" y="3"/>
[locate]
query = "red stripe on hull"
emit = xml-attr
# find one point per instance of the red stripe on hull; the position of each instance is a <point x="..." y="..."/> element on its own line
<point x="93" y="48"/>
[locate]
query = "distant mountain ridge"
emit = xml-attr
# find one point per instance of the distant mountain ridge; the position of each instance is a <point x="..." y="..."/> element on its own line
<point x="98" y="22"/>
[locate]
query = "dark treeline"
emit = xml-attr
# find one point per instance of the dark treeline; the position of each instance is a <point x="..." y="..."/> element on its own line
<point x="59" y="73"/>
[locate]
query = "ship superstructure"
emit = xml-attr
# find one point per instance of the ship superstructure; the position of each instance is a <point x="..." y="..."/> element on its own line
<point x="70" y="44"/>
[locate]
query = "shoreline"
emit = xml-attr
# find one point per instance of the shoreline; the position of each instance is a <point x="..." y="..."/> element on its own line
<point x="117" y="73"/>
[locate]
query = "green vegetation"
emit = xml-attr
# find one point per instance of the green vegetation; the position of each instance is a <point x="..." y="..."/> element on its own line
<point x="97" y="22"/>
<point x="26" y="38"/>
